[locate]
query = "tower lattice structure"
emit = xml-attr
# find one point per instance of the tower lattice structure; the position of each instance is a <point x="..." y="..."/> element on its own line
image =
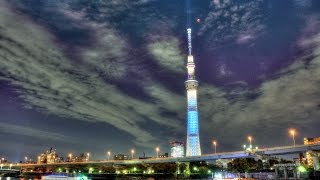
<point x="193" y="140"/>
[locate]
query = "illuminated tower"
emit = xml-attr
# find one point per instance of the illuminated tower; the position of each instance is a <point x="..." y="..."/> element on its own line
<point x="193" y="141"/>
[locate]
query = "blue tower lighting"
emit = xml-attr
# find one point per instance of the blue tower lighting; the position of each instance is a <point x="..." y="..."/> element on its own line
<point x="193" y="141"/>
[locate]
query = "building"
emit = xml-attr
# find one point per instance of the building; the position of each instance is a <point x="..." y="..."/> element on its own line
<point x="121" y="157"/>
<point x="193" y="141"/>
<point x="49" y="157"/>
<point x="311" y="156"/>
<point x="177" y="149"/>
<point x="165" y="155"/>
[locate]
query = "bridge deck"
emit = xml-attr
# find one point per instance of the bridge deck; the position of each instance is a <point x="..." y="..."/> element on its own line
<point x="207" y="157"/>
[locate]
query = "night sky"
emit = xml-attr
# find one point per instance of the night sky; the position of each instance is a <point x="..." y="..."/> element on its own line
<point x="92" y="76"/>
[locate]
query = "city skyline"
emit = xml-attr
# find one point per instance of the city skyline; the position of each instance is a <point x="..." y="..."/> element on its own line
<point x="77" y="75"/>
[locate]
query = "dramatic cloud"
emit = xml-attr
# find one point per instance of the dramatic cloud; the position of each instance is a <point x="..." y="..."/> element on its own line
<point x="168" y="54"/>
<point x="121" y="64"/>
<point x="52" y="83"/>
<point x="290" y="100"/>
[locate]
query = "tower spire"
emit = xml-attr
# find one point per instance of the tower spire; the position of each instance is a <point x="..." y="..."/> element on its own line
<point x="189" y="31"/>
<point x="193" y="141"/>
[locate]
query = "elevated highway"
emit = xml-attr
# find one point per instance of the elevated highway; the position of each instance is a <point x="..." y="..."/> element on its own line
<point x="288" y="149"/>
<point x="207" y="157"/>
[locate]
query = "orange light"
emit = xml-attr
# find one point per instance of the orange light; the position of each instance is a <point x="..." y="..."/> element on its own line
<point x="292" y="132"/>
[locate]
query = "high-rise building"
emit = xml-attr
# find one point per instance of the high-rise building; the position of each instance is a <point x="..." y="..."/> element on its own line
<point x="177" y="149"/>
<point x="193" y="141"/>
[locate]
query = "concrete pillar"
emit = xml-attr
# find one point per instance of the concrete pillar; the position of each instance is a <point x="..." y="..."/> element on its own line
<point x="295" y="172"/>
<point x="276" y="170"/>
<point x="285" y="170"/>
<point x="315" y="159"/>
<point x="178" y="167"/>
<point x="187" y="173"/>
<point x="177" y="170"/>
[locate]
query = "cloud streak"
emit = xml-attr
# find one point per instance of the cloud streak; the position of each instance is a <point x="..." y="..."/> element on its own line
<point x="49" y="81"/>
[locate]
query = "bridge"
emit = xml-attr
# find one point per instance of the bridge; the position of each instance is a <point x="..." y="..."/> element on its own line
<point x="284" y="150"/>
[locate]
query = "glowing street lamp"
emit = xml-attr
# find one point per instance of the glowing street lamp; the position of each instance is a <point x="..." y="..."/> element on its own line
<point x="132" y="152"/>
<point x="1" y="165"/>
<point x="250" y="141"/>
<point x="26" y="159"/>
<point x="244" y="147"/>
<point x="215" y="146"/>
<point x="109" y="154"/>
<point x="157" y="150"/>
<point x="292" y="133"/>
<point x="70" y="157"/>
<point x="88" y="156"/>
<point x="10" y="166"/>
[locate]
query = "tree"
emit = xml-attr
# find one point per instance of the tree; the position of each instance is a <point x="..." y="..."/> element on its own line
<point x="243" y="165"/>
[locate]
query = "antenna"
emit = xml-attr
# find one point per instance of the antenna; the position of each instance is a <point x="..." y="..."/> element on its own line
<point x="189" y="31"/>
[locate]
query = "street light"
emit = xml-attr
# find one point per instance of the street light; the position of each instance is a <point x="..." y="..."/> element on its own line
<point x="132" y="152"/>
<point x="88" y="156"/>
<point x="70" y="157"/>
<point x="250" y="141"/>
<point x="157" y="150"/>
<point x="1" y="165"/>
<point x="39" y="159"/>
<point x="10" y="166"/>
<point x="26" y="159"/>
<point x="244" y="147"/>
<point x="109" y="154"/>
<point x="215" y="146"/>
<point x="293" y="132"/>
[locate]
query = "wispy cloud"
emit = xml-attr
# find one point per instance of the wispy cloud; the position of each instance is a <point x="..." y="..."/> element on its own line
<point x="167" y="53"/>
<point x="34" y="133"/>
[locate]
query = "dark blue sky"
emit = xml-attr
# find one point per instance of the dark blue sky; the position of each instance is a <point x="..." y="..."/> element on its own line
<point x="92" y="76"/>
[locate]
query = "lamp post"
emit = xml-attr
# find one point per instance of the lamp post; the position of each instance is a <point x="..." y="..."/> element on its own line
<point x="157" y="150"/>
<point x="10" y="166"/>
<point x="250" y="141"/>
<point x="215" y="146"/>
<point x="70" y="157"/>
<point x="88" y="156"/>
<point x="293" y="132"/>
<point x="109" y="154"/>
<point x="25" y="159"/>
<point x="132" y="152"/>
<point x="1" y="165"/>
<point x="39" y="159"/>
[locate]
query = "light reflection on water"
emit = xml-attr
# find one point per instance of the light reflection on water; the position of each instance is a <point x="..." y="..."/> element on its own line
<point x="14" y="178"/>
